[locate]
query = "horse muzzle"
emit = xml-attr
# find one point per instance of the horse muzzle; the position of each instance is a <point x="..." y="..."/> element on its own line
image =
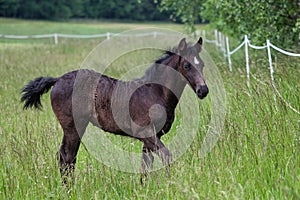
<point x="202" y="91"/>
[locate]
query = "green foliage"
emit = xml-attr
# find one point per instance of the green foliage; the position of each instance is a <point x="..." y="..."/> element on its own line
<point x="9" y="8"/>
<point x="277" y="20"/>
<point x="185" y="10"/>
<point x="124" y="9"/>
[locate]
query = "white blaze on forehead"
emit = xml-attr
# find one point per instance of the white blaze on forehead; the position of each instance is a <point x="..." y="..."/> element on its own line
<point x="196" y="61"/>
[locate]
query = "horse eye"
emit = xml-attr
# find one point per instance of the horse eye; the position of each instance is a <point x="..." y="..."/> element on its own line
<point x="187" y="66"/>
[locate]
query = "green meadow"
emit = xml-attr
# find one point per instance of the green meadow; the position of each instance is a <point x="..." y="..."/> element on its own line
<point x="256" y="157"/>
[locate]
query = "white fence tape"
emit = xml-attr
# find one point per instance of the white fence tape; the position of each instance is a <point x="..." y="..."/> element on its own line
<point x="283" y="51"/>
<point x="269" y="45"/>
<point x="247" y="44"/>
<point x="220" y="41"/>
<point x="58" y="35"/>
<point x="236" y="49"/>
<point x="81" y="36"/>
<point x="16" y="36"/>
<point x="256" y="47"/>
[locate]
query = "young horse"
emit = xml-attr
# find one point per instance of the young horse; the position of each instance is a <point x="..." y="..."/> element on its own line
<point x="147" y="112"/>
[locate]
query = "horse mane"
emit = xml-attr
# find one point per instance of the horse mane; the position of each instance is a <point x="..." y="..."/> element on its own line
<point x="151" y="72"/>
<point x="165" y="56"/>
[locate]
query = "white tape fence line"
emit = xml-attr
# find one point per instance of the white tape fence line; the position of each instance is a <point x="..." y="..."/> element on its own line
<point x="56" y="36"/>
<point x="247" y="44"/>
<point x="219" y="41"/>
<point x="223" y="42"/>
<point x="224" y="45"/>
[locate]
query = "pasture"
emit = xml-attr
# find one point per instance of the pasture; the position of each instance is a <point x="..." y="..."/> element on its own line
<point x="256" y="156"/>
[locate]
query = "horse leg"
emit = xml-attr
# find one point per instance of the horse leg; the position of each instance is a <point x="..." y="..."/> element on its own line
<point x="73" y="132"/>
<point x="165" y="155"/>
<point x="154" y="144"/>
<point x="68" y="151"/>
<point x="147" y="162"/>
<point x="69" y="148"/>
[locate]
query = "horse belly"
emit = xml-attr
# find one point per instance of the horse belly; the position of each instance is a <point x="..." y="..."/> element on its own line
<point x="105" y="119"/>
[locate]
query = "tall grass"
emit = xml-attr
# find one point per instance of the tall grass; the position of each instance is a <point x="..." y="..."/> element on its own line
<point x="256" y="157"/>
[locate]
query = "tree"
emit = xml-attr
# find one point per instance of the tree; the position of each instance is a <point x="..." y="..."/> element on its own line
<point x="95" y="9"/>
<point x="186" y="10"/>
<point x="9" y="8"/>
<point x="259" y="19"/>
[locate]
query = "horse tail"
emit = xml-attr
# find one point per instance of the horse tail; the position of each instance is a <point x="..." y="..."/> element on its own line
<point x="33" y="91"/>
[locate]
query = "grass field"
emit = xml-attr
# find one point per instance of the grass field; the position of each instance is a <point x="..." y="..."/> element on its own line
<point x="256" y="157"/>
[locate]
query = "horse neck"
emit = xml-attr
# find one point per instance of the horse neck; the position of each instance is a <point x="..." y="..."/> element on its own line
<point x="170" y="99"/>
<point x="174" y="85"/>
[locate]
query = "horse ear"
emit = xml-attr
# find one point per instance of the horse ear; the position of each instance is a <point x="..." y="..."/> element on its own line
<point x="182" y="45"/>
<point x="200" y="41"/>
<point x="198" y="45"/>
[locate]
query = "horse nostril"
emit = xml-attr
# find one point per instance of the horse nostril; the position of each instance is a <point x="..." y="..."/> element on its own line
<point x="202" y="91"/>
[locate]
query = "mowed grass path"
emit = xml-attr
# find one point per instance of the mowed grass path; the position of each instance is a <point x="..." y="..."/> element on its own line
<point x="256" y="157"/>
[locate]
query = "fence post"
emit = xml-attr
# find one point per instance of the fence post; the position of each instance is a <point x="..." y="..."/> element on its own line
<point x="247" y="60"/>
<point x="107" y="35"/>
<point x="216" y="38"/>
<point x="220" y="39"/>
<point x="223" y="46"/>
<point x="55" y="38"/>
<point x="270" y="62"/>
<point x="154" y="34"/>
<point x="271" y="70"/>
<point x="197" y="34"/>
<point x="203" y="34"/>
<point x="228" y="54"/>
